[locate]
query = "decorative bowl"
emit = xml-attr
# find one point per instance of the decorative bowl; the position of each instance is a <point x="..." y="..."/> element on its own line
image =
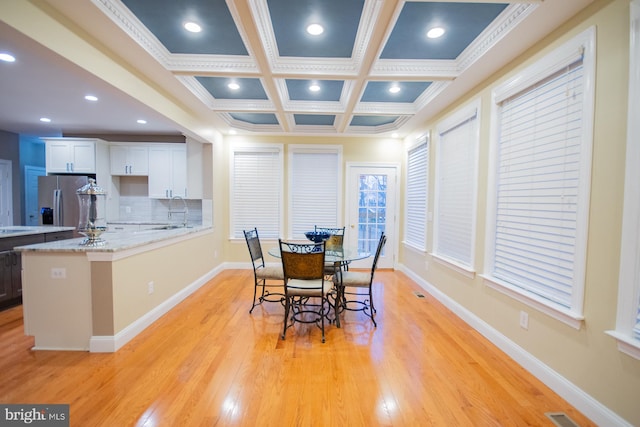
<point x="317" y="236"/>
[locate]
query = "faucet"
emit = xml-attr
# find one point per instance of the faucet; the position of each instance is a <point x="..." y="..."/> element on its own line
<point x="184" y="211"/>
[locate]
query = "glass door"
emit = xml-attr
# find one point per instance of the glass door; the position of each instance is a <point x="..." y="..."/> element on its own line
<point x="371" y="210"/>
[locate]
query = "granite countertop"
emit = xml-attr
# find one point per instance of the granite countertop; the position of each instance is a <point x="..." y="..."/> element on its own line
<point x="25" y="230"/>
<point x="114" y="241"/>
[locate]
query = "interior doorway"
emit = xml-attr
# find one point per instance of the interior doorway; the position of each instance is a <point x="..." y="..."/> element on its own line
<point x="31" y="208"/>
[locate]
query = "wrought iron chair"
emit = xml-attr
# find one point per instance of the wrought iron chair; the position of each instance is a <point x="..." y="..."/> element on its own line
<point x="345" y="280"/>
<point x="263" y="273"/>
<point x="333" y="243"/>
<point x="304" y="284"/>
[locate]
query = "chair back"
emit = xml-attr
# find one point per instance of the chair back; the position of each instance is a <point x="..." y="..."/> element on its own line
<point x="304" y="261"/>
<point x="255" y="249"/>
<point x="381" y="243"/>
<point x="336" y="238"/>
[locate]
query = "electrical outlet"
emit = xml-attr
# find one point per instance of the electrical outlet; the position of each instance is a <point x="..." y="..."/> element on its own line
<point x="215" y="254"/>
<point x="524" y="320"/>
<point x="150" y="287"/>
<point x="59" y="273"/>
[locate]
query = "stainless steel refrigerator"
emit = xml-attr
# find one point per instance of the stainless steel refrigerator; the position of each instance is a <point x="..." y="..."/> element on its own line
<point x="58" y="200"/>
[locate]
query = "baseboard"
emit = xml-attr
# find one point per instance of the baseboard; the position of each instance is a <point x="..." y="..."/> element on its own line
<point x="585" y="403"/>
<point x="111" y="343"/>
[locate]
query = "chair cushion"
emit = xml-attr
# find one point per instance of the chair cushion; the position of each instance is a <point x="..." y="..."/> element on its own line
<point x="270" y="273"/>
<point x="354" y="278"/>
<point x="308" y="288"/>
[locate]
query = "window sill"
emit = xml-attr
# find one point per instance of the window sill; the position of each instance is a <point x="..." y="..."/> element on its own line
<point x="462" y="269"/>
<point x="626" y="344"/>
<point x="414" y="248"/>
<point x="562" y="314"/>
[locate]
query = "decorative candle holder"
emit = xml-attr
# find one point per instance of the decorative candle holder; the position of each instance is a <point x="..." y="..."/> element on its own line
<point x="93" y="222"/>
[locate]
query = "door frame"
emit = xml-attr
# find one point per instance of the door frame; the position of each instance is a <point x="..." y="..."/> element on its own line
<point x="395" y="226"/>
<point x="6" y="193"/>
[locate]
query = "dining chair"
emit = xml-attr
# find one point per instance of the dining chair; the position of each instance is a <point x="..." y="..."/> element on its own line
<point x="305" y="284"/>
<point x="351" y="283"/>
<point x="264" y="276"/>
<point x="333" y="243"/>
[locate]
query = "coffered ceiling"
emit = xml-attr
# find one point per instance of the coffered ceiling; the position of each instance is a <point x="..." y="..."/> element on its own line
<point x="253" y="67"/>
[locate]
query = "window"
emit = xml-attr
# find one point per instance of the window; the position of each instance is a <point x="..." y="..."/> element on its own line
<point x="538" y="211"/>
<point x="256" y="190"/>
<point x="456" y="182"/>
<point x="627" y="330"/>
<point x="417" y="195"/>
<point x="315" y="184"/>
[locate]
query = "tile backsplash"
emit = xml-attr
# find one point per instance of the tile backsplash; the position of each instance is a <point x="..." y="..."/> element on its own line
<point x="140" y="208"/>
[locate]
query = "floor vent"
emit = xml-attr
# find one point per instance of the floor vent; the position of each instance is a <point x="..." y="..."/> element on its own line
<point x="418" y="294"/>
<point x="561" y="419"/>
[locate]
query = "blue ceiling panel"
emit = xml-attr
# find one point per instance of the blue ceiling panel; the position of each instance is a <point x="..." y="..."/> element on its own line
<point x="250" y="88"/>
<point x="256" y="118"/>
<point x="330" y="90"/>
<point x="339" y="18"/>
<point x="379" y="91"/>
<point x="165" y="18"/>
<point x="462" y="21"/>
<point x="372" y="120"/>
<point x="315" y="119"/>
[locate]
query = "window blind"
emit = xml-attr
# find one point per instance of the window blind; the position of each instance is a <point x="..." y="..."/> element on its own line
<point x="456" y="192"/>
<point x="256" y="188"/>
<point x="415" y="232"/>
<point x="539" y="147"/>
<point x="315" y="189"/>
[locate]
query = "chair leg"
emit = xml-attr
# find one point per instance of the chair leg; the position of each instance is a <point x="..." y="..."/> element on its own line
<point x="255" y="292"/>
<point x="322" y="302"/>
<point x="286" y="315"/>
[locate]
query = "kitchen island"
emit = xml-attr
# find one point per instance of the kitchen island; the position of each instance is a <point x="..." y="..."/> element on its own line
<point x="98" y="298"/>
<point x="10" y="261"/>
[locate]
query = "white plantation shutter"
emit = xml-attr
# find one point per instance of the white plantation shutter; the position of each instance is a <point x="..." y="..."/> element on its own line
<point x="455" y="201"/>
<point x="314" y="190"/>
<point x="415" y="232"/>
<point x="538" y="187"/>
<point x="256" y="188"/>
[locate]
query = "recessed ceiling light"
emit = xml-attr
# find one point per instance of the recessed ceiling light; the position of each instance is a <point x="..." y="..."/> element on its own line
<point x="45" y="119"/>
<point x="232" y="132"/>
<point x="435" y="32"/>
<point x="315" y="87"/>
<point x="141" y="121"/>
<point x="6" y="57"/>
<point x="394" y="89"/>
<point x="91" y="98"/>
<point x="233" y="86"/>
<point x="192" y="27"/>
<point x="394" y="135"/>
<point x="315" y="29"/>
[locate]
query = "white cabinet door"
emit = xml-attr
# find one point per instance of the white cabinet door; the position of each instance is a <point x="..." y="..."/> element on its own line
<point x="70" y="156"/>
<point x="179" y="172"/>
<point x="159" y="176"/>
<point x="167" y="171"/>
<point x="129" y="160"/>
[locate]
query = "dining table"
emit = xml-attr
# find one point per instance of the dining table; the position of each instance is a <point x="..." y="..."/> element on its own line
<point x="338" y="257"/>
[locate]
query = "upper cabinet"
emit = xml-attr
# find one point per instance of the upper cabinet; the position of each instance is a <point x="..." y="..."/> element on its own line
<point x="168" y="171"/>
<point x="71" y="155"/>
<point x="129" y="159"/>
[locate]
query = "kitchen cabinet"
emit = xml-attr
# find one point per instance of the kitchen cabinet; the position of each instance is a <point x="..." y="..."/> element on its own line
<point x="168" y="171"/>
<point x="71" y="155"/>
<point x="129" y="159"/>
<point x="11" y="267"/>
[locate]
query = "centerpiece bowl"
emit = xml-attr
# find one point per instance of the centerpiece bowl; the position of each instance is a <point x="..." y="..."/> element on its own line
<point x="317" y="236"/>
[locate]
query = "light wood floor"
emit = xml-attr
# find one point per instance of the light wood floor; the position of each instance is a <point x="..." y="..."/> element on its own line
<point x="208" y="362"/>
